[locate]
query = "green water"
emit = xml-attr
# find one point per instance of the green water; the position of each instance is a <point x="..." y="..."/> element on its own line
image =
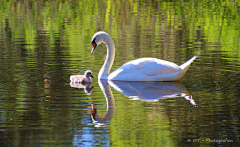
<point x="42" y="43"/>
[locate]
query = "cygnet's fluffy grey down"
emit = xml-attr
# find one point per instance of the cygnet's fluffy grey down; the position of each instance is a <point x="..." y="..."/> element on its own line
<point x="86" y="78"/>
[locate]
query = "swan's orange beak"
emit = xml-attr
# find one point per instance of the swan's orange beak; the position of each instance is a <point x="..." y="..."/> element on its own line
<point x="93" y="47"/>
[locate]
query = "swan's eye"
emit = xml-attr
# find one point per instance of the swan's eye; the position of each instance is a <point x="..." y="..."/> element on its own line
<point x="94" y="42"/>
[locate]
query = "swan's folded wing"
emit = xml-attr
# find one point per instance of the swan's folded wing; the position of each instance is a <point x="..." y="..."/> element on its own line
<point x="143" y="69"/>
<point x="151" y="66"/>
<point x="159" y="68"/>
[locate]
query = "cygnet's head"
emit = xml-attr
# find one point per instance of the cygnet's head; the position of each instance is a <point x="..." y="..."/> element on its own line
<point x="88" y="73"/>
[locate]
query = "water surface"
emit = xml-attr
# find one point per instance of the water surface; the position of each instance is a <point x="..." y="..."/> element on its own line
<point x="43" y="43"/>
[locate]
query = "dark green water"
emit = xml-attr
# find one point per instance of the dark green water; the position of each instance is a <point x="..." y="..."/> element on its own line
<point x="43" y="43"/>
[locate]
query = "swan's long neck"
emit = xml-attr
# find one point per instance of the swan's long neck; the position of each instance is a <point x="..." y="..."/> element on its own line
<point x="104" y="72"/>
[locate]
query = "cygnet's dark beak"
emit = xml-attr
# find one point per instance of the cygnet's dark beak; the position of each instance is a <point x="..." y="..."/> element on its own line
<point x="92" y="76"/>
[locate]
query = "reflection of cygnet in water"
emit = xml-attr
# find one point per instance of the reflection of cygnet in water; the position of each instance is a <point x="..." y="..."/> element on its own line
<point x="86" y="78"/>
<point x="86" y="86"/>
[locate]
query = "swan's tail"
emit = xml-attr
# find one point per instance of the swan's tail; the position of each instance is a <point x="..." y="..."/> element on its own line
<point x="187" y="64"/>
<point x="184" y="68"/>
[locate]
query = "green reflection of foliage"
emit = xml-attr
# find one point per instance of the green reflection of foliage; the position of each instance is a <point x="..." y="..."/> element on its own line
<point x="143" y="126"/>
<point x="217" y="20"/>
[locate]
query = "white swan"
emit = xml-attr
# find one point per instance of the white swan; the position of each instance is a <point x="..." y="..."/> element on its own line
<point x="142" y="69"/>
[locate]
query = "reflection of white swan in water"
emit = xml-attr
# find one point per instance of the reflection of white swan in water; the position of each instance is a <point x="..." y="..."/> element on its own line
<point x="144" y="91"/>
<point x="86" y="86"/>
<point x="98" y="119"/>
<point x="151" y="91"/>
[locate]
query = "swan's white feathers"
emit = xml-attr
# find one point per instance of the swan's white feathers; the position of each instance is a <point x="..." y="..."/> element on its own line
<point x="142" y="69"/>
<point x="153" y="66"/>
